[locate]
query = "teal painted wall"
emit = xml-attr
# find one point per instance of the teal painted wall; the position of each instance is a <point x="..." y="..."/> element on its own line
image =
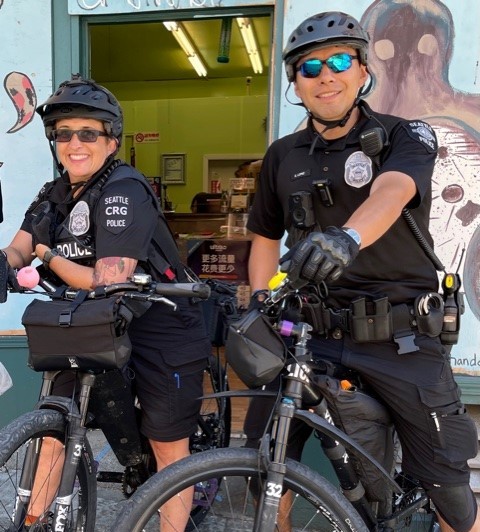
<point x="23" y="395"/>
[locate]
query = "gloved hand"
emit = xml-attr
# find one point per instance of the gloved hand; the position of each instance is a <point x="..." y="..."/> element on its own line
<point x="43" y="225"/>
<point x="7" y="277"/>
<point x="319" y="257"/>
<point x="257" y="299"/>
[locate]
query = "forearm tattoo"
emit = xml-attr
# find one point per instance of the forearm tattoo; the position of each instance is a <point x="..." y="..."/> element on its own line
<point x="113" y="270"/>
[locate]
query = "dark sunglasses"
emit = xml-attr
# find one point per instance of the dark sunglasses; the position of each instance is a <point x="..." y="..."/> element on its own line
<point x="84" y="135"/>
<point x="336" y="63"/>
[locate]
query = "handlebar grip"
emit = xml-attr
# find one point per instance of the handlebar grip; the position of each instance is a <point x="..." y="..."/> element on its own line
<point x="200" y="290"/>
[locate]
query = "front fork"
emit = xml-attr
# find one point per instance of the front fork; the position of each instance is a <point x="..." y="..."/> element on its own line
<point x="76" y="434"/>
<point x="266" y="518"/>
<point x="266" y="515"/>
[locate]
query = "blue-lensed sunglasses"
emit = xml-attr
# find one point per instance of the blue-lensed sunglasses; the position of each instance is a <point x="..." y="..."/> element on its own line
<point x="311" y="68"/>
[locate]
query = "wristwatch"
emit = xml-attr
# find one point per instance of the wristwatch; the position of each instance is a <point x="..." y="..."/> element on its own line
<point x="353" y="234"/>
<point x="49" y="254"/>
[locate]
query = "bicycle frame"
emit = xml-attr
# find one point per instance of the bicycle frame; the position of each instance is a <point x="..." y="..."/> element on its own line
<point x="336" y="445"/>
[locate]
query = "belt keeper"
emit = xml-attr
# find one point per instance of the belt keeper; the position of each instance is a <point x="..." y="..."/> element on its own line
<point x="403" y="334"/>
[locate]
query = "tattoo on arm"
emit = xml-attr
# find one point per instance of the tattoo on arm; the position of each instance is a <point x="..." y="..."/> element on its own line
<point x="113" y="270"/>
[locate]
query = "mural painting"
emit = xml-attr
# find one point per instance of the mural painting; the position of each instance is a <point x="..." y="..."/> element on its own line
<point x="410" y="56"/>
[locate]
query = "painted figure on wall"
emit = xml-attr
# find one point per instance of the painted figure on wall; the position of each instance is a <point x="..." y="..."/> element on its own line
<point x="21" y="92"/>
<point x="410" y="54"/>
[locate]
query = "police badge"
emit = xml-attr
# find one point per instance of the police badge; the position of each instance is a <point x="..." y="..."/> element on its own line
<point x="79" y="219"/>
<point x="358" y="169"/>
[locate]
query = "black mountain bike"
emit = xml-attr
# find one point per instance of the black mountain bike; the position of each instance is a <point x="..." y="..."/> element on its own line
<point x="262" y="490"/>
<point x="67" y="421"/>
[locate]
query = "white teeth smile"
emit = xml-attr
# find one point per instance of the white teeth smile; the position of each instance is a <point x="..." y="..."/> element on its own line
<point x="78" y="157"/>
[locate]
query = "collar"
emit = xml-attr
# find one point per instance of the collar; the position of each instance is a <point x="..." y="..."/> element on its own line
<point x="309" y="135"/>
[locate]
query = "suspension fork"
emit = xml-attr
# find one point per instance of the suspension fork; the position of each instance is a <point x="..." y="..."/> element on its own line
<point x="73" y="453"/>
<point x="30" y="461"/>
<point x="266" y="515"/>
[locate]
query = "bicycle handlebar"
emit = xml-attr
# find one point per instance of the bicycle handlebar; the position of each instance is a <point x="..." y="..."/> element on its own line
<point x="140" y="287"/>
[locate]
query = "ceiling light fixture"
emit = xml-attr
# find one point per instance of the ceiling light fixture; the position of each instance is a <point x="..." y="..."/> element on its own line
<point x="246" y="30"/>
<point x="178" y="31"/>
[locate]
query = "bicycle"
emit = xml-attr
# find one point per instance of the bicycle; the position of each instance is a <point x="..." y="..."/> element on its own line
<point x="74" y="505"/>
<point x="253" y="481"/>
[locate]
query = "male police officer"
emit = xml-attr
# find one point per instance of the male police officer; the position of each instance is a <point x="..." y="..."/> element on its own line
<point x="339" y="188"/>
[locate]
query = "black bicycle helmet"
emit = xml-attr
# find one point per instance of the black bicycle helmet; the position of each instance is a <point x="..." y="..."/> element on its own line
<point x="331" y="27"/>
<point x="82" y="98"/>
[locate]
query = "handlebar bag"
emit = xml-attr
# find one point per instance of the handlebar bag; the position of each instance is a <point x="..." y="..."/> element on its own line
<point x="79" y="334"/>
<point x="255" y="350"/>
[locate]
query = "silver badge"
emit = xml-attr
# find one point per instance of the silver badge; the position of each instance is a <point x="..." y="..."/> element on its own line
<point x="358" y="169"/>
<point x="79" y="219"/>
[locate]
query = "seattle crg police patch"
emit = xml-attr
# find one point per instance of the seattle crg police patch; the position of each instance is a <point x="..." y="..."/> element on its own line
<point x="116" y="213"/>
<point x="423" y="133"/>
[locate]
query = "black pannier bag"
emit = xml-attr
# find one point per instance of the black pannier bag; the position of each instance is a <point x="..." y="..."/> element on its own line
<point x="79" y="334"/>
<point x="368" y="422"/>
<point x="219" y="310"/>
<point x="255" y="350"/>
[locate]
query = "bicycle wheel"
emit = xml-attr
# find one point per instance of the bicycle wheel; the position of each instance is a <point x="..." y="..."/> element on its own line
<point x="315" y="506"/>
<point x="15" y="438"/>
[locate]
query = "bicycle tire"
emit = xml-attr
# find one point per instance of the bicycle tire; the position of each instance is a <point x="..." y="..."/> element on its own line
<point x="327" y="508"/>
<point x="13" y="441"/>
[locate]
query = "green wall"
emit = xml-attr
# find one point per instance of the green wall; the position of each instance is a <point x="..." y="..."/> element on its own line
<point x="194" y="126"/>
<point x="23" y="395"/>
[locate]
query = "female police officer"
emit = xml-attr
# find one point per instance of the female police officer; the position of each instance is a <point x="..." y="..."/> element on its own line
<point x="339" y="187"/>
<point x="96" y="225"/>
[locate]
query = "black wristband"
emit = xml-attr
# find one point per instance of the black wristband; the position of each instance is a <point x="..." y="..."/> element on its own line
<point x="48" y="256"/>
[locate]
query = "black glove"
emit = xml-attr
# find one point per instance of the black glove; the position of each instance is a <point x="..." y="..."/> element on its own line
<point x="8" y="278"/>
<point x="257" y="299"/>
<point x="43" y="225"/>
<point x="320" y="257"/>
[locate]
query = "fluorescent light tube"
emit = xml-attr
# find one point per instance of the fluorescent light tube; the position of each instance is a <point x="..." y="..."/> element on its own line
<point x="178" y="31"/>
<point x="250" y="42"/>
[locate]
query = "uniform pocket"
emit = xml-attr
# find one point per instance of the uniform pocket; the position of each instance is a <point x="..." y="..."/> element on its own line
<point x="185" y="386"/>
<point x="453" y="433"/>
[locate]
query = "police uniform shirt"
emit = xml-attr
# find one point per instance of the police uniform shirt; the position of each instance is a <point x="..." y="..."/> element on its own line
<point x="122" y="225"/>
<point x="395" y="265"/>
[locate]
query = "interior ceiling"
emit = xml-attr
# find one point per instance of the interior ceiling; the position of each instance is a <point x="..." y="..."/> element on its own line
<point x="149" y="52"/>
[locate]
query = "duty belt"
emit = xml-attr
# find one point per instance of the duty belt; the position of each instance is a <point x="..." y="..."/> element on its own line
<point x="365" y="321"/>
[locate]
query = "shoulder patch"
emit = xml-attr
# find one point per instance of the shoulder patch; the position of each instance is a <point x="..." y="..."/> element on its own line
<point x="423" y="133"/>
<point x="115" y="212"/>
